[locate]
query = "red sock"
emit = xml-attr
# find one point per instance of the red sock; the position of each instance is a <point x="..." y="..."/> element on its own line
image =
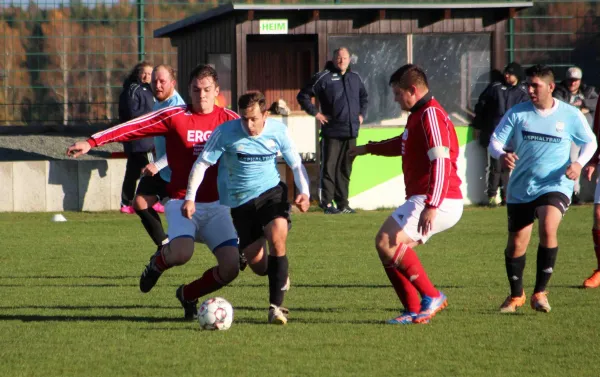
<point x="406" y="292"/>
<point x="160" y="264"/>
<point x="208" y="283"/>
<point x="410" y="266"/>
<point x="596" y="237"/>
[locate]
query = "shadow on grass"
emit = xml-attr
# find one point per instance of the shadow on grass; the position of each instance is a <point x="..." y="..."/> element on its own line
<point x="86" y="318"/>
<point x="70" y="277"/>
<point x="89" y="307"/>
<point x="68" y="285"/>
<point x="312" y="321"/>
<point x="121" y="318"/>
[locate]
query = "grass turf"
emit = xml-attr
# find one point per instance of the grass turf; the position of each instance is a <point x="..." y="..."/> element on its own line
<point x="71" y="305"/>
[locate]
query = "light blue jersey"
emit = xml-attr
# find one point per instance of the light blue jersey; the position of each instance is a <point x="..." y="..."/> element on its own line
<point x="248" y="163"/>
<point x="159" y="141"/>
<point x="542" y="142"/>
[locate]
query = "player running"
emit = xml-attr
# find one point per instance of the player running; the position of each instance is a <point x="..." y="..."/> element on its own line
<point x="429" y="150"/>
<point x="248" y="149"/>
<point x="186" y="130"/>
<point x="540" y="132"/>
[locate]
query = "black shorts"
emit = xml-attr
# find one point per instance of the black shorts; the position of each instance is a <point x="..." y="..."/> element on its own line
<point x="150" y="186"/>
<point x="521" y="215"/>
<point x="250" y="218"/>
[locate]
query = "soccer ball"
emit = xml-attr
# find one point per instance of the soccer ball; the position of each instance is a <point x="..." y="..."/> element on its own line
<point x="215" y="314"/>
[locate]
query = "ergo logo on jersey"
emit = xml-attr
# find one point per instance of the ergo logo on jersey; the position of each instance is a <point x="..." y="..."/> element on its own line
<point x="195" y="136"/>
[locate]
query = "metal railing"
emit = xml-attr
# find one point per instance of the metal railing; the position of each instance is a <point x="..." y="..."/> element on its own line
<point x="63" y="62"/>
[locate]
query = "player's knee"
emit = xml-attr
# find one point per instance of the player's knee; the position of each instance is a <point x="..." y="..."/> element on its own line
<point x="229" y="263"/>
<point x="140" y="203"/>
<point x="382" y="243"/>
<point x="180" y="251"/>
<point x="229" y="271"/>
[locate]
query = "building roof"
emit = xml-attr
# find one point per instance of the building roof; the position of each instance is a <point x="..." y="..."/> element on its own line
<point x="231" y="7"/>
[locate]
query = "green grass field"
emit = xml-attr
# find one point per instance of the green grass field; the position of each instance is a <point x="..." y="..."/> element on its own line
<point x="70" y="305"/>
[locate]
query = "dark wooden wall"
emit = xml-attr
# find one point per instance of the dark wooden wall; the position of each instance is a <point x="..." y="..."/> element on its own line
<point x="464" y="21"/>
<point x="193" y="47"/>
<point x="228" y="34"/>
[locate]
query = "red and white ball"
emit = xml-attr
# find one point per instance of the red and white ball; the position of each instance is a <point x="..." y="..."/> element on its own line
<point x="215" y="314"/>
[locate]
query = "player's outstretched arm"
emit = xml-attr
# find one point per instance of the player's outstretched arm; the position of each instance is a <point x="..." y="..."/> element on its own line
<point x="78" y="148"/>
<point x="390" y="147"/>
<point x="357" y="150"/>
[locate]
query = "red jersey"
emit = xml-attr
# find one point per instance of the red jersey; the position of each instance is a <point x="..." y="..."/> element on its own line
<point x="429" y="150"/>
<point x="185" y="134"/>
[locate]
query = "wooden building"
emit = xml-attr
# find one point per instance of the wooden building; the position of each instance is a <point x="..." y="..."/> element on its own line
<point x="277" y="48"/>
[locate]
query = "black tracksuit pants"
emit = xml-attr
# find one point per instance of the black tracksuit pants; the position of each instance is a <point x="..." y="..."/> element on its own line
<point x="497" y="178"/>
<point x="336" y="167"/>
<point x="133" y="171"/>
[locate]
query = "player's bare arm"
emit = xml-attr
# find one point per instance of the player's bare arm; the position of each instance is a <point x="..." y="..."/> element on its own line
<point x="509" y="160"/>
<point x="302" y="202"/>
<point x="358" y="150"/>
<point x="589" y="171"/>
<point x="150" y="170"/>
<point x="574" y="170"/>
<point x="78" y="148"/>
<point x="426" y="220"/>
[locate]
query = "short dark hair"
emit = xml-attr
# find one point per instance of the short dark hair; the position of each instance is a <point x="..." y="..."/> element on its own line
<point x="134" y="75"/>
<point x="169" y="69"/>
<point x="409" y="75"/>
<point x="541" y="71"/>
<point x="250" y="99"/>
<point x="204" y="70"/>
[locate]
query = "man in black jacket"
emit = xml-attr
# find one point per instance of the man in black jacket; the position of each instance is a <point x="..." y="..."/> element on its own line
<point x="496" y="100"/>
<point x="135" y="100"/>
<point x="584" y="97"/>
<point x="343" y="99"/>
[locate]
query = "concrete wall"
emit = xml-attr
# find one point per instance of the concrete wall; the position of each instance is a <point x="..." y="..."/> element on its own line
<point x="62" y="185"/>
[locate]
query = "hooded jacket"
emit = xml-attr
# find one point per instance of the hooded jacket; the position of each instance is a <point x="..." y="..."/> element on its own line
<point x="342" y="97"/>
<point x="590" y="97"/>
<point x="135" y="100"/>
<point x="493" y="103"/>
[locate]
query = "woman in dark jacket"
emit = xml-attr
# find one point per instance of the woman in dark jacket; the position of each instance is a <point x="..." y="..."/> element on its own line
<point x="135" y="100"/>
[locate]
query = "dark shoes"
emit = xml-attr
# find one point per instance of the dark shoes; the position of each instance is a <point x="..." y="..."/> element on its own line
<point x="149" y="277"/>
<point x="346" y="210"/>
<point x="190" y="308"/>
<point x="330" y="209"/>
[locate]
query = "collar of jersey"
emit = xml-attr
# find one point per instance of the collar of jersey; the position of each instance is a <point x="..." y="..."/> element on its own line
<point x="250" y="136"/>
<point x="420" y="103"/>
<point x="549" y="111"/>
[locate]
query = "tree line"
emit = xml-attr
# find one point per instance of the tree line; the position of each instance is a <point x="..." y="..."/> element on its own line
<point x="65" y="65"/>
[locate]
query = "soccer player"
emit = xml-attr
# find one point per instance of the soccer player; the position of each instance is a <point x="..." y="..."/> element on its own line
<point x="594" y="280"/>
<point x="540" y="132"/>
<point x="248" y="150"/>
<point x="429" y="150"/>
<point x="153" y="185"/>
<point x="186" y="130"/>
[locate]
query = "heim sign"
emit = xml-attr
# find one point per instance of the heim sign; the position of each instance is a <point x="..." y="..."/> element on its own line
<point x="273" y="26"/>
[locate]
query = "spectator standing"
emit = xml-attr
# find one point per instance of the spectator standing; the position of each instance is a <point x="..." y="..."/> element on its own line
<point x="493" y="103"/>
<point x="343" y="99"/>
<point x="135" y="100"/>
<point x="573" y="91"/>
<point x="152" y="188"/>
